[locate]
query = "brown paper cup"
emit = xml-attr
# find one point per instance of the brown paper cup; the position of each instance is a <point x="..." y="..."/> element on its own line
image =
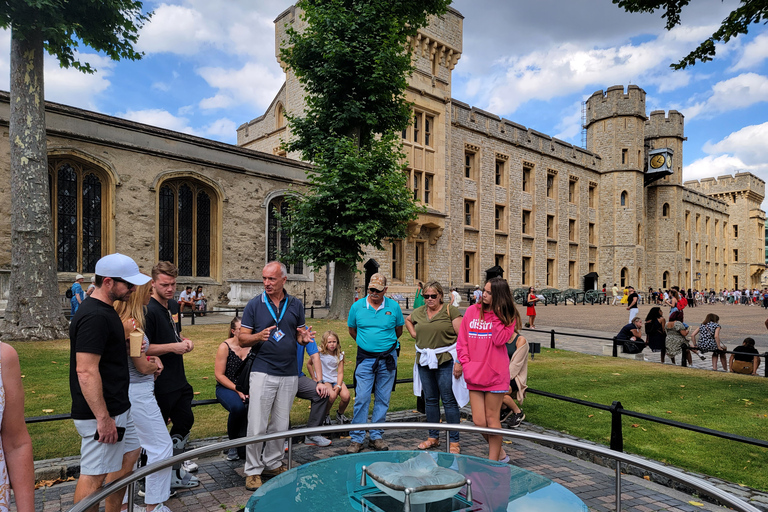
<point x="137" y="337"/>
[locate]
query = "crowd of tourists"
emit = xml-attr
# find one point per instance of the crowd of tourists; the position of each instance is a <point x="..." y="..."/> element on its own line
<point x="672" y="336"/>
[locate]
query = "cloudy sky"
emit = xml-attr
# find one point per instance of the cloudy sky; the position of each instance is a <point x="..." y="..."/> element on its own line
<point x="210" y="66"/>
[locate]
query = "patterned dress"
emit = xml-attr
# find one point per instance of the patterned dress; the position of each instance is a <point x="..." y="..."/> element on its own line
<point x="5" y="484"/>
<point x="707" y="342"/>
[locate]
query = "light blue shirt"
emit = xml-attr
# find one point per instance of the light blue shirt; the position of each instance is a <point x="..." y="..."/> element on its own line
<point x="375" y="327"/>
<point x="311" y="350"/>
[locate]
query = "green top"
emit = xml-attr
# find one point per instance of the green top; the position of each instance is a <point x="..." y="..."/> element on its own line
<point x="418" y="300"/>
<point x="438" y="332"/>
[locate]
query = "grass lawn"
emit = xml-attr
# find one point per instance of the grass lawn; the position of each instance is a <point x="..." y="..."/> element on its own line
<point x="727" y="402"/>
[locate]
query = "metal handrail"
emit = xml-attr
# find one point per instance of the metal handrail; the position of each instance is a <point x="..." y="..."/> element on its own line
<point x="720" y="495"/>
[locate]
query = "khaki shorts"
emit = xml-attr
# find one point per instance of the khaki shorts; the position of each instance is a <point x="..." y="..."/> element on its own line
<point x="100" y="458"/>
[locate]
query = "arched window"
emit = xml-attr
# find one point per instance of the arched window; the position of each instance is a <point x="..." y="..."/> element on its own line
<point x="279" y="116"/>
<point x="665" y="210"/>
<point x="665" y="280"/>
<point x="279" y="238"/>
<point x="624" y="277"/>
<point x="639" y="282"/>
<point x="624" y="198"/>
<point x="78" y="197"/>
<point x="185" y="226"/>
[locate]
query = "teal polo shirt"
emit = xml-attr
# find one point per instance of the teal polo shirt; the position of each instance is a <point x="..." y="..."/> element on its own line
<point x="375" y="327"/>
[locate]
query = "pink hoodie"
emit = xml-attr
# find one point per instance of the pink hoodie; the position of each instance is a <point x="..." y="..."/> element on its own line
<point x="482" y="350"/>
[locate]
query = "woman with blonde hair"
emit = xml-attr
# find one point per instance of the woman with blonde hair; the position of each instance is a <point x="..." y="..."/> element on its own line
<point x="150" y="425"/>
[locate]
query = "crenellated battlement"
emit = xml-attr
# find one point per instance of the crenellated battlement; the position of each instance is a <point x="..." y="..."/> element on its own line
<point x="615" y="102"/>
<point x="491" y="125"/>
<point x="726" y="184"/>
<point x="659" y="124"/>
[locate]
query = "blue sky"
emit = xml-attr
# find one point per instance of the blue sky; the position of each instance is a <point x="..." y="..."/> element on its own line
<point x="210" y="66"/>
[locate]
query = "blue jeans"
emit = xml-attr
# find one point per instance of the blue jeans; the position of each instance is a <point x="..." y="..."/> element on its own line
<point x="437" y="384"/>
<point x="237" y="423"/>
<point x="366" y="375"/>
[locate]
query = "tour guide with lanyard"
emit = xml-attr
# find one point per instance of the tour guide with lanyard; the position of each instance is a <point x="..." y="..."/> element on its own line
<point x="277" y="334"/>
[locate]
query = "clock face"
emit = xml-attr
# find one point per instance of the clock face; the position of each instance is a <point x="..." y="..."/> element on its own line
<point x="658" y="161"/>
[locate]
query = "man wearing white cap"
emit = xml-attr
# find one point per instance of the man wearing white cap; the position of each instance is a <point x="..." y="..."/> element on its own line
<point x="98" y="381"/>
<point x="78" y="295"/>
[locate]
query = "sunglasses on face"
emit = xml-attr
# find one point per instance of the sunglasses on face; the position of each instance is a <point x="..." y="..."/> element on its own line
<point x="126" y="283"/>
<point x="374" y="290"/>
<point x="431" y="295"/>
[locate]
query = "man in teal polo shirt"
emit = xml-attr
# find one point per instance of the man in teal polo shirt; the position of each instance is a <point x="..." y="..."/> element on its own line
<point x="375" y="323"/>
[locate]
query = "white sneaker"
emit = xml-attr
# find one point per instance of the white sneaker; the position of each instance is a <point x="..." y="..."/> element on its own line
<point x="317" y="441"/>
<point x="189" y="466"/>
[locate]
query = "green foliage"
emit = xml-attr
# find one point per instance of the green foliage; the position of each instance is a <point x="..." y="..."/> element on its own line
<point x="108" y="26"/>
<point x="737" y="22"/>
<point x="353" y="60"/>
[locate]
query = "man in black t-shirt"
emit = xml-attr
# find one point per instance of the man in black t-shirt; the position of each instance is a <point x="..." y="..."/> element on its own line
<point x="98" y="381"/>
<point x="172" y="391"/>
<point x="633" y="302"/>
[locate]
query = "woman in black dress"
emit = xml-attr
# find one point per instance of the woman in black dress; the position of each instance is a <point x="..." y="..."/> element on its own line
<point x="655" y="331"/>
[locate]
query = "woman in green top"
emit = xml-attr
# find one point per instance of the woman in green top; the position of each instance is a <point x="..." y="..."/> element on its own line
<point x="418" y="299"/>
<point x="435" y="326"/>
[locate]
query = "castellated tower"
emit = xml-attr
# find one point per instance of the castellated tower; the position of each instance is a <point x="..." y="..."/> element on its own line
<point x="615" y="123"/>
<point x="664" y="200"/>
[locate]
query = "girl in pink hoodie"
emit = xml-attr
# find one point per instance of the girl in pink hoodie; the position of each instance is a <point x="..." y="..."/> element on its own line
<point x="481" y="347"/>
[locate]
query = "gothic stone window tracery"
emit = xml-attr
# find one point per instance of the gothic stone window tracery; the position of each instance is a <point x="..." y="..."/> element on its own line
<point x="278" y="237"/>
<point x="184" y="226"/>
<point x="78" y="194"/>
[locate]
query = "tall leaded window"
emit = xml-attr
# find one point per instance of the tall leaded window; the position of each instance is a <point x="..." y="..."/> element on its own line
<point x="185" y="226"/>
<point x="77" y="206"/>
<point x="278" y="237"/>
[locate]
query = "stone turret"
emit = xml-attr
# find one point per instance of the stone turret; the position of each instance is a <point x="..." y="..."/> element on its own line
<point x="666" y="131"/>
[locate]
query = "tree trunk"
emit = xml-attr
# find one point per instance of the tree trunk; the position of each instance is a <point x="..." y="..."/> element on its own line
<point x="343" y="291"/>
<point x="34" y="308"/>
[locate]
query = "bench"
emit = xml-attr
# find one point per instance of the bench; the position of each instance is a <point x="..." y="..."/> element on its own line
<point x="608" y="351"/>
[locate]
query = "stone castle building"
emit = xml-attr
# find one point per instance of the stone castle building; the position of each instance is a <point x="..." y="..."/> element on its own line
<point x="545" y="211"/>
<point x="497" y="193"/>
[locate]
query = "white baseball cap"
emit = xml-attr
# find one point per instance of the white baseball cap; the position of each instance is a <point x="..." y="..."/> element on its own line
<point x="122" y="266"/>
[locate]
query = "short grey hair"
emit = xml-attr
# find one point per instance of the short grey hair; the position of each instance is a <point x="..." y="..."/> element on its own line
<point x="283" y="269"/>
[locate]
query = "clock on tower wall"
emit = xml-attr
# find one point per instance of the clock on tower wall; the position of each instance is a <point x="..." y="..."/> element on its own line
<point x="659" y="164"/>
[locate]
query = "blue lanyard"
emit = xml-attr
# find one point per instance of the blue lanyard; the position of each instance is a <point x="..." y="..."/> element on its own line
<point x="266" y="301"/>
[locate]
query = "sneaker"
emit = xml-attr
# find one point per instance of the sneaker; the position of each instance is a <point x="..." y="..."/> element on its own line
<point x="274" y="472"/>
<point x="327" y="420"/>
<point x="506" y="412"/>
<point x="341" y="419"/>
<point x="285" y="446"/>
<point x="505" y="460"/>
<point x="140" y="486"/>
<point x="516" y="420"/>
<point x="232" y="454"/>
<point x="378" y="444"/>
<point x="252" y="482"/>
<point x="180" y="479"/>
<point x="189" y="466"/>
<point x="354" y="447"/>
<point x="317" y="441"/>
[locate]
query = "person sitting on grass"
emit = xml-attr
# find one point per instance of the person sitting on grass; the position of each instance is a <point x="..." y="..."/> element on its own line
<point x="631" y="336"/>
<point x="745" y="358"/>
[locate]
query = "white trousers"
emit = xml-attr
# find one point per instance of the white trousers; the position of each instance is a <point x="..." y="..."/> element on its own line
<point x="154" y="438"/>
<point x="269" y="411"/>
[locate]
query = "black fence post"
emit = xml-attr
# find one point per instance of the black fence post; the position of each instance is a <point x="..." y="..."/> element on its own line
<point x="615" y="347"/>
<point x="312" y="311"/>
<point x="406" y="303"/>
<point x="684" y="355"/>
<point x="193" y="317"/>
<point x="765" y="364"/>
<point x="552" y="338"/>
<point x="617" y="437"/>
<point x="237" y="312"/>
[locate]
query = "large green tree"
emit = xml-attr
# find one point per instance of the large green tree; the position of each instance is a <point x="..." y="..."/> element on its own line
<point x="58" y="27"/>
<point x="737" y="22"/>
<point x="353" y="60"/>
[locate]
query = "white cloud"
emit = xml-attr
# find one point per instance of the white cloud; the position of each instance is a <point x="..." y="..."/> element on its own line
<point x="570" y="125"/>
<point x="735" y="93"/>
<point x="253" y="84"/>
<point x="73" y="87"/>
<point x="569" y="68"/>
<point x="161" y="86"/>
<point x="222" y="128"/>
<point x="176" y="29"/>
<point x="216" y="102"/>
<point x="160" y="118"/>
<point x="753" y="54"/>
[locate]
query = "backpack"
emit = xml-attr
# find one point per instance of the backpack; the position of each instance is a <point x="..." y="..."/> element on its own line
<point x="682" y="303"/>
<point x="68" y="294"/>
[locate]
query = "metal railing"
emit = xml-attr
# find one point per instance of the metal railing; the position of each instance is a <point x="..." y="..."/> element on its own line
<point x="629" y="460"/>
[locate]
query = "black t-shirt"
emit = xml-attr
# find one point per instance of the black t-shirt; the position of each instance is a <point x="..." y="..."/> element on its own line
<point x="160" y="329"/>
<point x="96" y="329"/>
<point x="633" y="296"/>
<point x="626" y="332"/>
<point x="745" y="350"/>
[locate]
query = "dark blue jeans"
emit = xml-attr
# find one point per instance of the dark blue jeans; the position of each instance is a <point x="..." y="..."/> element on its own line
<point x="237" y="424"/>
<point x="437" y="385"/>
